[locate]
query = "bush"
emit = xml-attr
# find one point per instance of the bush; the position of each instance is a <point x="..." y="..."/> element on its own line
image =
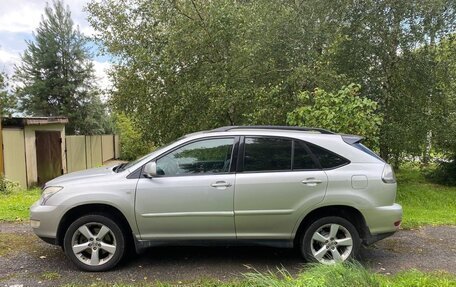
<point x="132" y="144"/>
<point x="7" y="186"/>
<point x="444" y="173"/>
<point x="344" y="111"/>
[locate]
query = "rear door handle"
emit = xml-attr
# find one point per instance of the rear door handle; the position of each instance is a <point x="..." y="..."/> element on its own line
<point x="311" y="181"/>
<point x="221" y="184"/>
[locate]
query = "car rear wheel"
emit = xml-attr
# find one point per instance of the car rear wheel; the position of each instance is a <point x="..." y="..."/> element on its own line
<point x="330" y="240"/>
<point x="94" y="243"/>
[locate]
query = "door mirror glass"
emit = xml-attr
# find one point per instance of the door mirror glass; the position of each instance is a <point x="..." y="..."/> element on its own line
<point x="150" y="169"/>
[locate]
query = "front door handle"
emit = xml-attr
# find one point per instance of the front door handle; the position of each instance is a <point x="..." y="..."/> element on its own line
<point x="221" y="184"/>
<point x="311" y="181"/>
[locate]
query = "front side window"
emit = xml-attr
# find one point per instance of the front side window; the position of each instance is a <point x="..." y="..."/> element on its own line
<point x="209" y="156"/>
<point x="267" y="154"/>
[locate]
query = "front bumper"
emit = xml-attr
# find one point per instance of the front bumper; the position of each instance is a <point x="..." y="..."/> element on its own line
<point x="45" y="220"/>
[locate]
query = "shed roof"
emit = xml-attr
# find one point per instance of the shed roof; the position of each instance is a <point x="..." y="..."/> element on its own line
<point x="28" y="121"/>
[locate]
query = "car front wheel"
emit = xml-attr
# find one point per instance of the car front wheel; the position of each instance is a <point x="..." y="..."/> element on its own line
<point x="330" y="240"/>
<point x="94" y="243"/>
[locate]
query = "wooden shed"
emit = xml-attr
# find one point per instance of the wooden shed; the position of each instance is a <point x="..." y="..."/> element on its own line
<point x="33" y="149"/>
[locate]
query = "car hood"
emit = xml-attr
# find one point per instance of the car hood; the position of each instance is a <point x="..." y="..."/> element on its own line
<point x="81" y="175"/>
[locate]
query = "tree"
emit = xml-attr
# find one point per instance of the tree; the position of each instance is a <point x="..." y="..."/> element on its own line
<point x="133" y="144"/>
<point x="344" y="112"/>
<point x="387" y="47"/>
<point x="56" y="76"/>
<point x="7" y="101"/>
<point x="184" y="66"/>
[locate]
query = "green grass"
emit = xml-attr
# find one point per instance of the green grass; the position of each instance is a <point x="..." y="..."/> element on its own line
<point x="424" y="203"/>
<point x="22" y="242"/>
<point x="346" y="275"/>
<point x="48" y="275"/>
<point x="15" y="206"/>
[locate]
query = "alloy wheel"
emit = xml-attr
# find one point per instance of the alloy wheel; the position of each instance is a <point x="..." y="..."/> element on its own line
<point x="331" y="243"/>
<point x="94" y="244"/>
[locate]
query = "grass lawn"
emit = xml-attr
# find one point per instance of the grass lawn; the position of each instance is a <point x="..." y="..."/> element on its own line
<point x="346" y="275"/>
<point x="15" y="206"/>
<point x="424" y="203"/>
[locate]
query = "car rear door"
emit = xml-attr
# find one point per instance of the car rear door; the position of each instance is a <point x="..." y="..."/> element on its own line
<point x="277" y="179"/>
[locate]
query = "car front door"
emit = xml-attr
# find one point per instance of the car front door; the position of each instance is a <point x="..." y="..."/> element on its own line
<point x="192" y="196"/>
<point x="277" y="180"/>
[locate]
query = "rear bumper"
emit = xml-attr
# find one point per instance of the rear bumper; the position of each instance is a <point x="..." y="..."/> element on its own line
<point x="383" y="220"/>
<point x="371" y="239"/>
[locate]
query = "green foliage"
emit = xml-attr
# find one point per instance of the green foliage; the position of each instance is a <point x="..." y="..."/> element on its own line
<point x="56" y="75"/>
<point x="7" y="101"/>
<point x="444" y="132"/>
<point x="132" y="144"/>
<point x="444" y="173"/>
<point x="15" y="206"/>
<point x="7" y="186"/>
<point x="390" y="48"/>
<point x="184" y="66"/>
<point x="344" y="112"/>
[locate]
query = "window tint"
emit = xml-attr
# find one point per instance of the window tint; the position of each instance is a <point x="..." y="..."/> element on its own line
<point x="261" y="154"/>
<point x="206" y="156"/>
<point x="327" y="159"/>
<point x="302" y="159"/>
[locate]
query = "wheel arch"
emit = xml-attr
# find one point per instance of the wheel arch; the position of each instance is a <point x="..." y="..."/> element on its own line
<point x="348" y="212"/>
<point x="92" y="208"/>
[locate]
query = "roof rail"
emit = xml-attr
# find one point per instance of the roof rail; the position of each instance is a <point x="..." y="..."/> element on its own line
<point x="291" y="128"/>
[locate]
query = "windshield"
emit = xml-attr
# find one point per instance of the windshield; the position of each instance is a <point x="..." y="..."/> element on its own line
<point x="127" y="165"/>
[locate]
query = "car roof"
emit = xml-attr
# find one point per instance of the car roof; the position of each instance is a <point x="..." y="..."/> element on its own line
<point x="265" y="127"/>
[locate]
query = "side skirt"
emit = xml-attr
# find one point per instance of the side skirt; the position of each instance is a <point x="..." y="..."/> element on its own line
<point x="140" y="245"/>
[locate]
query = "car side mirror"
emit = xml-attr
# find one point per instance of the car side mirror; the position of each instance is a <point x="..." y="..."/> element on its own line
<point x="150" y="169"/>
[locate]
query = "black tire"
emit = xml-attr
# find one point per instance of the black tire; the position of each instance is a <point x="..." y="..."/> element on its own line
<point x="115" y="236"/>
<point x="307" y="244"/>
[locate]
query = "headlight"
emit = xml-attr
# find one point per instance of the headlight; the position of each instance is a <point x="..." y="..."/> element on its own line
<point x="48" y="192"/>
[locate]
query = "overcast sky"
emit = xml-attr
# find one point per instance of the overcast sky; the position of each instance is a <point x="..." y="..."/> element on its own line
<point x="19" y="18"/>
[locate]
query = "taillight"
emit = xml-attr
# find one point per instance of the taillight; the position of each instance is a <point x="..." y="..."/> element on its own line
<point x="388" y="174"/>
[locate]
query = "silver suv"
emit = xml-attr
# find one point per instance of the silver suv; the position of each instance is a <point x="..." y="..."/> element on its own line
<point x="325" y="193"/>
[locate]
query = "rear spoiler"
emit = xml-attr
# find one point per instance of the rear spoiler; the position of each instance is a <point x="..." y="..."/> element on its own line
<point x="352" y="139"/>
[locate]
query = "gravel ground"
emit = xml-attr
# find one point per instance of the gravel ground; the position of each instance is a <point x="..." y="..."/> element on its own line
<point x="31" y="262"/>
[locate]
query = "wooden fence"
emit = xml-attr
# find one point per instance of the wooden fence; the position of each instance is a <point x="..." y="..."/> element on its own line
<point x="84" y="152"/>
<point x="80" y="152"/>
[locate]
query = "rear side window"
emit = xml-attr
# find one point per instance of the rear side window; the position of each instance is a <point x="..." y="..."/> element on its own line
<point x="267" y="154"/>
<point x="302" y="160"/>
<point x="327" y="158"/>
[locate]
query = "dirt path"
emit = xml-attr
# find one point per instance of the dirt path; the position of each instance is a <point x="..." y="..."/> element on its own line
<point x="31" y="262"/>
